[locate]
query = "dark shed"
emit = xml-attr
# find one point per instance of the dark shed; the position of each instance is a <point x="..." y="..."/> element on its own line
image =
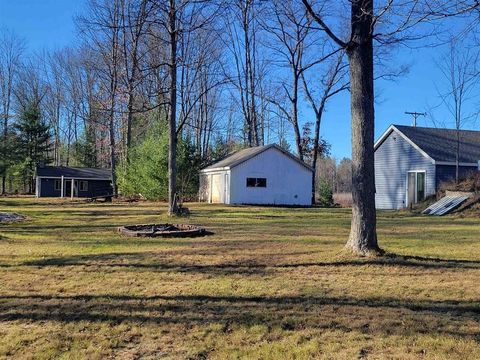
<point x="62" y="181"/>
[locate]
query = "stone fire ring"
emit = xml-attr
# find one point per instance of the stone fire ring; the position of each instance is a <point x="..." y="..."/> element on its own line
<point x="162" y="230"/>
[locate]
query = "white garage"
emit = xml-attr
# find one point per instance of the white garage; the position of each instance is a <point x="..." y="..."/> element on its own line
<point x="266" y="175"/>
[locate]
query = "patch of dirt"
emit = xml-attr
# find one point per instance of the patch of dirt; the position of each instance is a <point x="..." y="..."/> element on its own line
<point x="10" y="217"/>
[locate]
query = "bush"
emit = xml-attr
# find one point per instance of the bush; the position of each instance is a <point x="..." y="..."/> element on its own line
<point x="146" y="172"/>
<point x="325" y="194"/>
<point x="471" y="183"/>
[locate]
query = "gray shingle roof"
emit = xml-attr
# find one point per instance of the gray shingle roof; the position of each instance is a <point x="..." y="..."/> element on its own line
<point x="240" y="156"/>
<point x="74" y="172"/>
<point x="440" y="144"/>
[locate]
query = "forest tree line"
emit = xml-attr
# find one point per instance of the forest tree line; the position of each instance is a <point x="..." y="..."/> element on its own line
<point x="245" y="71"/>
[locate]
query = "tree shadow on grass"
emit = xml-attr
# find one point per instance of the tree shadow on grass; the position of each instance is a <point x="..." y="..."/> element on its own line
<point x="386" y="316"/>
<point x="149" y="261"/>
<point x="394" y="260"/>
<point x="164" y="261"/>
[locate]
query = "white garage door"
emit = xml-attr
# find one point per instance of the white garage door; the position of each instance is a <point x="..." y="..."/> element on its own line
<point x="217" y="188"/>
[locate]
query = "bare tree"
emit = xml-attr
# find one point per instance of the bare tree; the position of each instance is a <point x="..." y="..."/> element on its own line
<point x="54" y="101"/>
<point x="178" y="20"/>
<point x="459" y="68"/>
<point x="135" y="21"/>
<point x="334" y="82"/>
<point x="359" y="48"/>
<point x="101" y="29"/>
<point x="11" y="49"/>
<point x="293" y="44"/>
<point x="388" y="24"/>
<point x="243" y="31"/>
<point x="172" y="112"/>
<point x="200" y="79"/>
<point x="80" y="108"/>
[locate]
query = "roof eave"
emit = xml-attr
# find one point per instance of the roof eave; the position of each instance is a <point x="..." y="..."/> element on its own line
<point x="293" y="157"/>
<point x="224" y="168"/>
<point x="73" y="177"/>
<point x="275" y="146"/>
<point x="406" y="138"/>
<point x="454" y="163"/>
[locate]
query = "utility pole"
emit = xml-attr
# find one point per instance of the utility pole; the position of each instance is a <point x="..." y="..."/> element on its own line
<point x="415" y="116"/>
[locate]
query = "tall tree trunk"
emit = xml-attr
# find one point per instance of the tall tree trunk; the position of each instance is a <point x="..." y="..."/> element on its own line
<point x="316" y="140"/>
<point x="113" y="92"/>
<point x="129" y="118"/>
<point x="296" y="131"/>
<point x="113" y="161"/>
<point x="172" y="121"/>
<point x="457" y="157"/>
<point x="363" y="236"/>
<point x="294" y="115"/>
<point x="6" y="115"/>
<point x="4" y="150"/>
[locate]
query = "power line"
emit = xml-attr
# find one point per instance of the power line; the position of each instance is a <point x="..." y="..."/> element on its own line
<point x="415" y="115"/>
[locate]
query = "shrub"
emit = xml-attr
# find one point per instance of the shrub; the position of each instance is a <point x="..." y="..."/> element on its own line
<point x="146" y="172"/>
<point x="470" y="183"/>
<point x="325" y="194"/>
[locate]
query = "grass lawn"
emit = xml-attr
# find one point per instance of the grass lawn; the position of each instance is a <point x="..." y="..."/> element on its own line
<point x="271" y="283"/>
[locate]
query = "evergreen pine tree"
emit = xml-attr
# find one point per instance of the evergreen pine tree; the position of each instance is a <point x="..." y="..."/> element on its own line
<point x="34" y="141"/>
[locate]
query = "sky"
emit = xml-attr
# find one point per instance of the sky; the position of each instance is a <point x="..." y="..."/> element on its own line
<point x="44" y="24"/>
<point x="49" y="24"/>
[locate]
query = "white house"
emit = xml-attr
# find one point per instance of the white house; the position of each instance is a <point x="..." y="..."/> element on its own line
<point x="266" y="175"/>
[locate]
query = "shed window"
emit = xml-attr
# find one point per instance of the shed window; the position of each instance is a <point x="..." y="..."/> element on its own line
<point x="257" y="182"/>
<point x="58" y="185"/>
<point x="83" y="185"/>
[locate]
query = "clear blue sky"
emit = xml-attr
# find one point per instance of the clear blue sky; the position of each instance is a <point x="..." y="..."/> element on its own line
<point x="44" y="24"/>
<point x="48" y="24"/>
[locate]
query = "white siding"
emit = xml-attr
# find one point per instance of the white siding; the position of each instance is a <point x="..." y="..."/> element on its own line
<point x="288" y="182"/>
<point x="393" y="159"/>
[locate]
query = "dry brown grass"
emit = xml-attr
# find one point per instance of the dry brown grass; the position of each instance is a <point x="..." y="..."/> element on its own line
<point x="470" y="183"/>
<point x="271" y="283"/>
<point x="343" y="199"/>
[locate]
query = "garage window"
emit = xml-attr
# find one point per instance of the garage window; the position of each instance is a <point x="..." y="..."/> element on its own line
<point x="58" y="185"/>
<point x="257" y="182"/>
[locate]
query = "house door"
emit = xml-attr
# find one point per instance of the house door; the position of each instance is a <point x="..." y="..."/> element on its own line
<point x="415" y="187"/>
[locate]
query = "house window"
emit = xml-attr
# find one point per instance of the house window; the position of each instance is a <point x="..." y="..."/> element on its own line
<point x="257" y="182"/>
<point x="83" y="185"/>
<point x="58" y="185"/>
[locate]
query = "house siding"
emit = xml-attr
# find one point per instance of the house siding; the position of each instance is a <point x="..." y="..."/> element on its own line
<point x="95" y="188"/>
<point x="394" y="158"/>
<point x="288" y="182"/>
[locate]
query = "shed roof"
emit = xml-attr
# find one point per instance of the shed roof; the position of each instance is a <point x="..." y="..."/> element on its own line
<point x="74" y="172"/>
<point x="440" y="144"/>
<point x="243" y="155"/>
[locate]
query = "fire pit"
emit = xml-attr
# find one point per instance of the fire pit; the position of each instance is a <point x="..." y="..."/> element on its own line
<point x="163" y="230"/>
